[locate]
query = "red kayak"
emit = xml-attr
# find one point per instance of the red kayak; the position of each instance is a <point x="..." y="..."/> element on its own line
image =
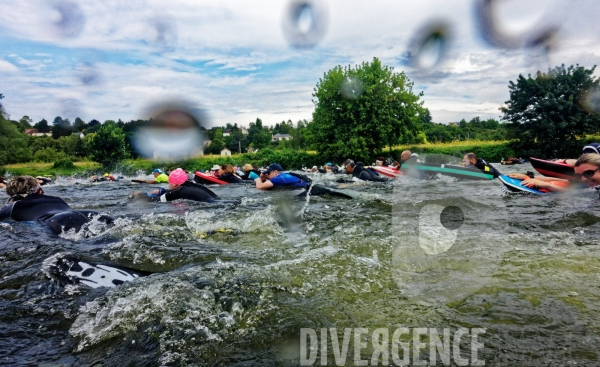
<point x="208" y="179"/>
<point x="553" y="168"/>
<point x="387" y="171"/>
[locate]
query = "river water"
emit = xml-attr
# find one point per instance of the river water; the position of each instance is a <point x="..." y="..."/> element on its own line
<point x="233" y="285"/>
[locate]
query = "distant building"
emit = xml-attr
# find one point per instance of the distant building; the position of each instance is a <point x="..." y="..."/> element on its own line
<point x="244" y="130"/>
<point x="80" y="135"/>
<point x="252" y="150"/>
<point x="206" y="143"/>
<point x="226" y="152"/>
<point x="453" y="124"/>
<point x="280" y="137"/>
<point x="35" y="132"/>
<point x="227" y="133"/>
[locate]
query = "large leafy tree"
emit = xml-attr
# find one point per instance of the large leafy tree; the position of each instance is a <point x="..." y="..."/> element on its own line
<point x="107" y="145"/>
<point x="546" y="113"/>
<point x="359" y="111"/>
<point x="13" y="144"/>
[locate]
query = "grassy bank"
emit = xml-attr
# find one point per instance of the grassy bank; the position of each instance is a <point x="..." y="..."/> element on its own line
<point x="46" y="169"/>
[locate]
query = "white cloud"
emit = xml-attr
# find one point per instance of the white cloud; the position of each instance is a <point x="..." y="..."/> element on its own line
<point x="7" y="67"/>
<point x="232" y="58"/>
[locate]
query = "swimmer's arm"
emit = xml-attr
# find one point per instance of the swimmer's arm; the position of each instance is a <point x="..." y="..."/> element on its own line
<point x="263" y="185"/>
<point x="6" y="211"/>
<point x="542" y="184"/>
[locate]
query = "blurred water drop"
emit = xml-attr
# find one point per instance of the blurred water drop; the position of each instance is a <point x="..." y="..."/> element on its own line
<point x="71" y="108"/>
<point x="352" y="88"/>
<point x="591" y="101"/>
<point x="430" y="45"/>
<point x="305" y="23"/>
<point x="89" y="75"/>
<point x="518" y="24"/>
<point x="71" y="19"/>
<point x="174" y="132"/>
<point x="165" y="32"/>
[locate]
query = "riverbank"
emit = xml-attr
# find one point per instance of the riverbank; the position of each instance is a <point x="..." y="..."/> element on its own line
<point x="492" y="151"/>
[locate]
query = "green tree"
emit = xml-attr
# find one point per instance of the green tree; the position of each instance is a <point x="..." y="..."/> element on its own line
<point x="24" y="123"/>
<point x="42" y="126"/>
<point x="262" y="140"/>
<point x="79" y="125"/>
<point x="3" y="112"/>
<point x="358" y="111"/>
<point x="107" y="145"/>
<point x="13" y="144"/>
<point x="216" y="145"/>
<point x="62" y="127"/>
<point x="545" y="113"/>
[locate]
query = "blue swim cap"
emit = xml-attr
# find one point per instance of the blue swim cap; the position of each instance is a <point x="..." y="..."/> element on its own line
<point x="157" y="170"/>
<point x="328" y="164"/>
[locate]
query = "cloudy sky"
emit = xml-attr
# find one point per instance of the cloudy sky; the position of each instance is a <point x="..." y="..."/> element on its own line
<point x="237" y="60"/>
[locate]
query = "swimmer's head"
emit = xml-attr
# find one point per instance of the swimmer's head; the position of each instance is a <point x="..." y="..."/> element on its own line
<point x="247" y="168"/>
<point x="22" y="186"/>
<point x="178" y="177"/>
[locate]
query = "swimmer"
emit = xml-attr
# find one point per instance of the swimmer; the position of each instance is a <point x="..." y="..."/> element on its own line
<point x="28" y="203"/>
<point x="181" y="188"/>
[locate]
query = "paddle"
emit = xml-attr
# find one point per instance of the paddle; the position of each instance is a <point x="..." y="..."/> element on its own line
<point x="138" y="181"/>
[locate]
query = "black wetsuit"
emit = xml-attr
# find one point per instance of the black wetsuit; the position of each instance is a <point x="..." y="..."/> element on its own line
<point x="34" y="207"/>
<point x="246" y="176"/>
<point x="231" y="178"/>
<point x="51" y="210"/>
<point x="188" y="191"/>
<point x="486" y="167"/>
<point x="366" y="175"/>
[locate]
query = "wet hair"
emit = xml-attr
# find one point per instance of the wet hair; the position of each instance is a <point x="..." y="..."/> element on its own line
<point x="349" y="162"/>
<point x="589" y="158"/>
<point x="471" y="156"/>
<point x="227" y="168"/>
<point x="2" y="179"/>
<point x="247" y="168"/>
<point x="22" y="186"/>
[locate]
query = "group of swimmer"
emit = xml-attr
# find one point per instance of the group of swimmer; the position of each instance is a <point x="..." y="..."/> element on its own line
<point x="29" y="203"/>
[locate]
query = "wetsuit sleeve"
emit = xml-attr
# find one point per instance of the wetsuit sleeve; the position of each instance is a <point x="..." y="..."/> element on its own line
<point x="156" y="197"/>
<point x="170" y="195"/>
<point x="6" y="211"/>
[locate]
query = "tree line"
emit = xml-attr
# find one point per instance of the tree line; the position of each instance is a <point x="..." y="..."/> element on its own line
<point x="359" y="112"/>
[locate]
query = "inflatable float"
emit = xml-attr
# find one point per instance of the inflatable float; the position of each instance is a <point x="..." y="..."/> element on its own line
<point x="423" y="170"/>
<point x="203" y="178"/>
<point x="387" y="171"/>
<point x="513" y="185"/>
<point x="557" y="169"/>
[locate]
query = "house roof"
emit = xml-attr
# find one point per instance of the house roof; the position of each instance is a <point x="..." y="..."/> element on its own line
<point x="278" y="135"/>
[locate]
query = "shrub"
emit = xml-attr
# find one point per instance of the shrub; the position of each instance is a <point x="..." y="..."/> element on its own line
<point x="48" y="155"/>
<point x="65" y="163"/>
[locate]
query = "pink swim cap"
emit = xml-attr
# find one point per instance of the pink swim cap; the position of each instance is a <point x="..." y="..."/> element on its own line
<point x="177" y="177"/>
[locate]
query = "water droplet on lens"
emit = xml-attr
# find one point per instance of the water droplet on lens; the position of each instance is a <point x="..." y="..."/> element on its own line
<point x="175" y="131"/>
<point x="430" y="45"/>
<point x="164" y="32"/>
<point x="352" y="88"/>
<point x="452" y="217"/>
<point x="89" y="74"/>
<point x="71" y="21"/>
<point x="305" y="23"/>
<point x="591" y="101"/>
<point x="517" y="24"/>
